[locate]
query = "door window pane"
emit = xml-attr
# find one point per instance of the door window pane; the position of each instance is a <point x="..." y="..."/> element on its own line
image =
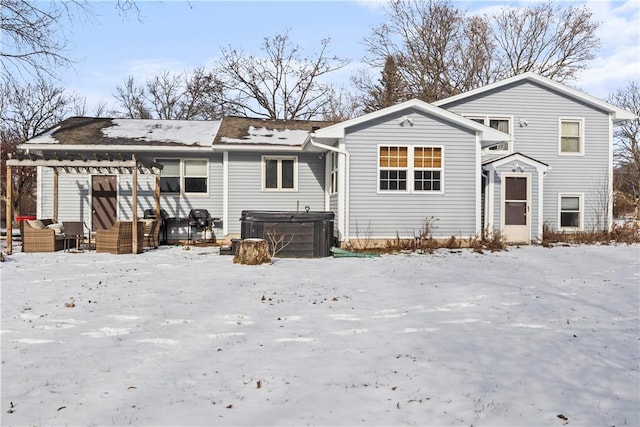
<point x="515" y="213"/>
<point x="516" y="188"/>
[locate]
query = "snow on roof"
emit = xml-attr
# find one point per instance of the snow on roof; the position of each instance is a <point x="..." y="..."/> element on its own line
<point x="262" y="135"/>
<point x="45" y="138"/>
<point x="187" y="132"/>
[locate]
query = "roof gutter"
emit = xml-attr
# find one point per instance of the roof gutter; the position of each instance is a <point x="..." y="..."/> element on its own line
<point x="220" y="148"/>
<point x="347" y="156"/>
<point x="138" y="148"/>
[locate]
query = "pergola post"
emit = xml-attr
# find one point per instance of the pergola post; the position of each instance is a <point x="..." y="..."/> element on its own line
<point x="55" y="195"/>
<point x="134" y="206"/>
<point x="9" y="208"/>
<point x="157" y="196"/>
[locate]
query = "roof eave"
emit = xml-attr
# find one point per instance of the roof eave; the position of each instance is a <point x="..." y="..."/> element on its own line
<point x="85" y="147"/>
<point x="618" y="113"/>
<point x="219" y="148"/>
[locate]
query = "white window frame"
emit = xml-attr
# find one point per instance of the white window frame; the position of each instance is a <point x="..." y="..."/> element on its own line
<point x="486" y="120"/>
<point x="581" y="136"/>
<point x="279" y="188"/>
<point x="333" y="172"/>
<point x="580" y="197"/>
<point x="410" y="169"/>
<point x="183" y="175"/>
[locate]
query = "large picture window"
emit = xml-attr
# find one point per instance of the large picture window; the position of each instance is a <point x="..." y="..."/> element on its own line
<point x="410" y="169"/>
<point x="279" y="173"/>
<point x="571" y="211"/>
<point x="188" y="176"/>
<point x="571" y="136"/>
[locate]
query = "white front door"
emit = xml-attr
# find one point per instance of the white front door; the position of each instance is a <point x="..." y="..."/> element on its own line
<point x="516" y="223"/>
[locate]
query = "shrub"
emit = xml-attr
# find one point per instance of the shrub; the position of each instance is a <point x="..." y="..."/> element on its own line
<point x="628" y="233"/>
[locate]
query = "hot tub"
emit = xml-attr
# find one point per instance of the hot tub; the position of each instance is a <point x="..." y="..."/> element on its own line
<point x="310" y="233"/>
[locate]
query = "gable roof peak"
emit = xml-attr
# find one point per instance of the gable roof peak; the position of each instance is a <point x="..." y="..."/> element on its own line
<point x="618" y="113"/>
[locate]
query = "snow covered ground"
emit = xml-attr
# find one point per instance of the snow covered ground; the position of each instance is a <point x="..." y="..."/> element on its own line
<point x="531" y="336"/>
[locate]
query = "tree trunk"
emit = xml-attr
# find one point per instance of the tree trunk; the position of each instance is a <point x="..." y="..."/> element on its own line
<point x="252" y="252"/>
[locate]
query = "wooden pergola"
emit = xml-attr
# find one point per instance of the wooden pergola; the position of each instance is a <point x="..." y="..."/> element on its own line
<point x="88" y="163"/>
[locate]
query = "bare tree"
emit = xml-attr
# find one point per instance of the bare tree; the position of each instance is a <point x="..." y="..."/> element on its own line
<point x="133" y="100"/>
<point x="33" y="38"/>
<point x="439" y="51"/>
<point x="79" y="107"/>
<point x="551" y="40"/>
<point x="173" y="96"/>
<point x="341" y="106"/>
<point x="27" y="111"/>
<point x="627" y="149"/>
<point x="282" y="83"/>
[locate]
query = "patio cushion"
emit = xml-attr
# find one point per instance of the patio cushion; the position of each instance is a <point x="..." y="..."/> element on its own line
<point x="36" y="223"/>
<point x="57" y="228"/>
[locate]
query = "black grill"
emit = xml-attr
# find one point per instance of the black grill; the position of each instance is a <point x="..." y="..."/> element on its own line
<point x="199" y="218"/>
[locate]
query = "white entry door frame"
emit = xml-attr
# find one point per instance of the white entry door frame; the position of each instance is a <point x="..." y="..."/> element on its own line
<point x="515" y="212"/>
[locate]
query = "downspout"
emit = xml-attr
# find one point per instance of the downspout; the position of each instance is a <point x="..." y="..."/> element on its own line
<point x="485" y="190"/>
<point x="609" y="218"/>
<point x="347" y="156"/>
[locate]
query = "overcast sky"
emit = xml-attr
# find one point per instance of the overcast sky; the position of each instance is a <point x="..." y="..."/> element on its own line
<point x="181" y="35"/>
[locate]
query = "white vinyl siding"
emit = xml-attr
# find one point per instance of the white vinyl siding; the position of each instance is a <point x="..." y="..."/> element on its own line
<point x="537" y="111"/>
<point x="387" y="214"/>
<point x="246" y="192"/>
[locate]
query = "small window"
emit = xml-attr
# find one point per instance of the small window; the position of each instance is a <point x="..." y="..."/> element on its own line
<point x="570" y="212"/>
<point x="503" y="124"/>
<point x="571" y="141"/>
<point x="279" y="173"/>
<point x="333" y="159"/>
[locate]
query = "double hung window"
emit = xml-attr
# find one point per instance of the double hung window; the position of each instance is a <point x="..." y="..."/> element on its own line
<point x="571" y="136"/>
<point x="279" y="173"/>
<point x="570" y="211"/>
<point x="188" y="176"/>
<point x="409" y="169"/>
